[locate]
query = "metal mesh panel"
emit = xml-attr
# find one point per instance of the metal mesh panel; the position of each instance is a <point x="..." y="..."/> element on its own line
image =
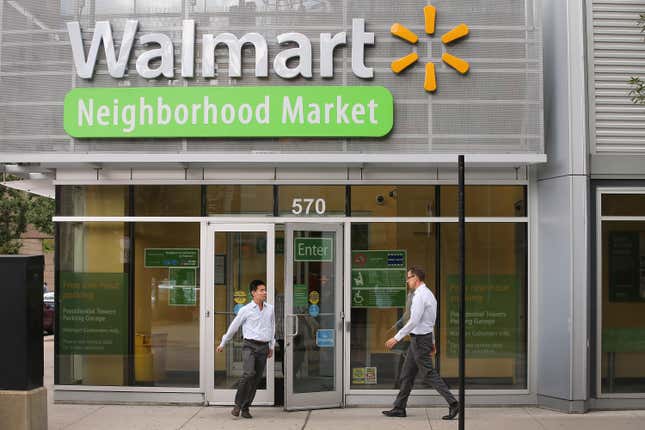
<point x="497" y="107"/>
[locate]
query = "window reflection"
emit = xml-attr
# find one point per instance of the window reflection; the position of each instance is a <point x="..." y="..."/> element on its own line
<point x="622" y="340"/>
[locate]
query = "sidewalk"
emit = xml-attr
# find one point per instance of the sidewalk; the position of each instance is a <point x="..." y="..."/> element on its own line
<point x="98" y="417"/>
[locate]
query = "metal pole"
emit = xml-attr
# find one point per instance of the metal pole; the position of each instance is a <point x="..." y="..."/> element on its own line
<point x="462" y="295"/>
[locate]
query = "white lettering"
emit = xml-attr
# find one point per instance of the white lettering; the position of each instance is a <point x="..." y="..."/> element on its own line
<point x="85" y="112"/>
<point x="294" y="113"/>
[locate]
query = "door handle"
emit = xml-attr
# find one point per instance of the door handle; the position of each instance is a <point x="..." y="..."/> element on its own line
<point x="295" y="317"/>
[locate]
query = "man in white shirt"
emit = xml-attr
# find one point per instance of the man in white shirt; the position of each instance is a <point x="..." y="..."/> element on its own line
<point x="423" y="313"/>
<point x="258" y="329"/>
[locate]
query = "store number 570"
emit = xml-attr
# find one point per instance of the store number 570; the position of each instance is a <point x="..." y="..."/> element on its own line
<point x="306" y="206"/>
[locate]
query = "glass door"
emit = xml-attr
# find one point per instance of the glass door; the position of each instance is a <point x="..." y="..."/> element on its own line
<point x="313" y="316"/>
<point x="237" y="254"/>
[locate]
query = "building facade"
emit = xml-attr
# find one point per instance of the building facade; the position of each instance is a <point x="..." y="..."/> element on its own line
<point x="197" y="145"/>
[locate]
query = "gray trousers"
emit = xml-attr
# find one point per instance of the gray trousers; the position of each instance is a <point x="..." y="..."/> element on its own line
<point x="254" y="356"/>
<point x="419" y="359"/>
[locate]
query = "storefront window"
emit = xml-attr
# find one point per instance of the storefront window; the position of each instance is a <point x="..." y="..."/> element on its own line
<point x="393" y="201"/>
<point x="622" y="334"/>
<point x="239" y="200"/>
<point x="381" y="254"/>
<point x="93" y="200"/>
<point x="496" y="305"/>
<point x="312" y="200"/>
<point x="166" y="304"/>
<point x="623" y="204"/>
<point x="92" y="334"/>
<point x="486" y="200"/>
<point x="167" y="200"/>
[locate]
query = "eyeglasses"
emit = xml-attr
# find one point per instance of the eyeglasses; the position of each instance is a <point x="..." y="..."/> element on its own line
<point x="411" y="276"/>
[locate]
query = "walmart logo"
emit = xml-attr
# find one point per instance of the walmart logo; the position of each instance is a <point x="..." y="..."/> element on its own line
<point x="430" y="81"/>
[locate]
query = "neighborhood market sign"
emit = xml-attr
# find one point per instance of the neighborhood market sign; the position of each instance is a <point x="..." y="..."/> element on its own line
<point x="264" y="111"/>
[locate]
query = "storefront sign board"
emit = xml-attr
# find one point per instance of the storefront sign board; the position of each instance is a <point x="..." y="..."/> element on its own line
<point x="93" y="313"/>
<point x="379" y="278"/>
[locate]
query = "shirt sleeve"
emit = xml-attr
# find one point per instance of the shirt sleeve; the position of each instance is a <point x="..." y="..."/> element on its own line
<point x="416" y="312"/>
<point x="234" y="327"/>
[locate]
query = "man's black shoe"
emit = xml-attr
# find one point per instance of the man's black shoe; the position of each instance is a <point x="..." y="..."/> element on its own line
<point x="246" y="414"/>
<point x="235" y="411"/>
<point x="453" y="411"/>
<point x="395" y="413"/>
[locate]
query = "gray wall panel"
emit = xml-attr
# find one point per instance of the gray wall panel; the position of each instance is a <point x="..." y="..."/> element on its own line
<point x="496" y="108"/>
<point x="554" y="297"/>
<point x="617" y="52"/>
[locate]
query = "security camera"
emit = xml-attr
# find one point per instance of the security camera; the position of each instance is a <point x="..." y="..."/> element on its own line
<point x="380" y="199"/>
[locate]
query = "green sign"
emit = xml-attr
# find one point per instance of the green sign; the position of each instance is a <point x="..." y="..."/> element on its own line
<point x="631" y="339"/>
<point x="171" y="257"/>
<point x="313" y="249"/>
<point x="93" y="313"/>
<point x="379" y="278"/>
<point x="183" y="277"/>
<point x="493" y="326"/>
<point x="182" y="296"/>
<point x="265" y="111"/>
<point x="300" y="295"/>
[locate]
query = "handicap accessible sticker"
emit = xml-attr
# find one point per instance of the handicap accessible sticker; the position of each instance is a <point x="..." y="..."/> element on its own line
<point x="325" y="338"/>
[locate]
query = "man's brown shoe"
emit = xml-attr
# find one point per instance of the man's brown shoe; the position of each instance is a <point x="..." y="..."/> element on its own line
<point x="235" y="411"/>
<point x="246" y="414"/>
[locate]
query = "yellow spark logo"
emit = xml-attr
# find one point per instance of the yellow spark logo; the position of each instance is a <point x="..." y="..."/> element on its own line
<point x="430" y="15"/>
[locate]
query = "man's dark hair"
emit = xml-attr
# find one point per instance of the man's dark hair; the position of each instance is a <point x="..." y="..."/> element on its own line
<point x="418" y="272"/>
<point x="255" y="284"/>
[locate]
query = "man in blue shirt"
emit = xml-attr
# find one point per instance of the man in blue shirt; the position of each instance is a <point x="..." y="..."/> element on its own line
<point x="258" y="329"/>
<point x="420" y="326"/>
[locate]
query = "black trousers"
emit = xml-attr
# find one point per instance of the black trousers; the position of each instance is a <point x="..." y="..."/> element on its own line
<point x="419" y="359"/>
<point x="254" y="356"/>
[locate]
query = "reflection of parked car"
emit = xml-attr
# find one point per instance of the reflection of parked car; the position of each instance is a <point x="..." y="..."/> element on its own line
<point x="48" y="312"/>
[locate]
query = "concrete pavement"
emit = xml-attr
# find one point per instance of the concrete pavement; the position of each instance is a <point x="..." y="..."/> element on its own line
<point x="112" y="417"/>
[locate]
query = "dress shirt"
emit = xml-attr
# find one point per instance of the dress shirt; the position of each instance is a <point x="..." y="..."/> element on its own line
<point x="256" y="324"/>
<point x="423" y="313"/>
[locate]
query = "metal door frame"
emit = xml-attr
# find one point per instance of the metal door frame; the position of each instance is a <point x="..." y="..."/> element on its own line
<point x="217" y="396"/>
<point x="316" y="400"/>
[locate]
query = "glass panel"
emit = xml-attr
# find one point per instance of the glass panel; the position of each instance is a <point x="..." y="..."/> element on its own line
<point x="240" y="199"/>
<point x="381" y="253"/>
<point x="93" y="304"/>
<point x="166" y="300"/>
<point x="311" y="200"/>
<point x="167" y="200"/>
<point x="393" y="201"/>
<point x="93" y="200"/>
<point x="279" y="315"/>
<point x="623" y="204"/>
<point x="240" y="257"/>
<point x="486" y="200"/>
<point x="314" y="304"/>
<point x="623" y="307"/>
<point x="496" y="305"/>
